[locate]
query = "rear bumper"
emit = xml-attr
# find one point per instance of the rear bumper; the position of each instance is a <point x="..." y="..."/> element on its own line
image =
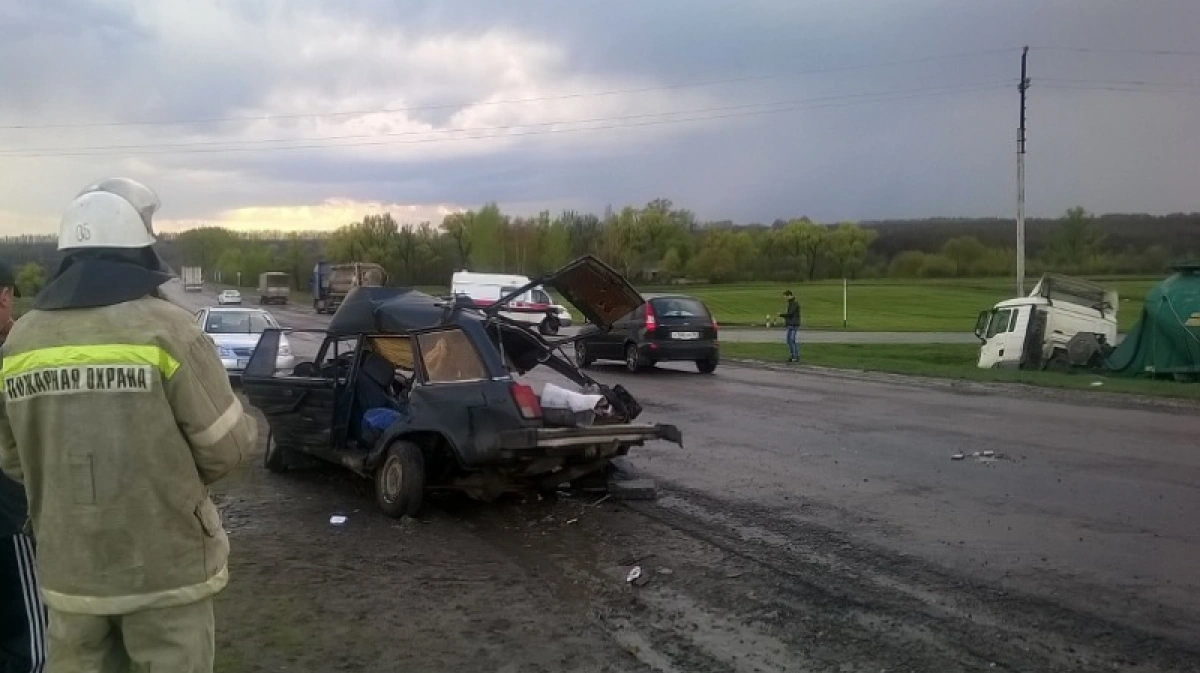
<point x="665" y="350"/>
<point x="589" y="442"/>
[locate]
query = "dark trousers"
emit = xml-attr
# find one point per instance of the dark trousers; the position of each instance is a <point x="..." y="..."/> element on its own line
<point x="23" y="619"/>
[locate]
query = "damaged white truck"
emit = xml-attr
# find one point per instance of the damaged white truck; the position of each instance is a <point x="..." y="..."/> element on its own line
<point x="1064" y="323"/>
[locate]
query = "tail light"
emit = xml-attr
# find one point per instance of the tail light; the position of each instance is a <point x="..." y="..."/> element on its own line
<point x="651" y="320"/>
<point x="716" y="328"/>
<point x="526" y="400"/>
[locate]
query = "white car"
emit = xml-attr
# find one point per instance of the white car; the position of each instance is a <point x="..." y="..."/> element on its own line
<point x="229" y="297"/>
<point x="236" y="332"/>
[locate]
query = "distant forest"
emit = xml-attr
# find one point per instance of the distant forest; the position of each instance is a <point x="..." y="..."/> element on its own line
<point x="661" y="243"/>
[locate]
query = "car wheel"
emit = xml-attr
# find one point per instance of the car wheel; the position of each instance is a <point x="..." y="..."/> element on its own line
<point x="707" y="366"/>
<point x="274" y="457"/>
<point x="633" y="361"/>
<point x="582" y="358"/>
<point x="400" y="481"/>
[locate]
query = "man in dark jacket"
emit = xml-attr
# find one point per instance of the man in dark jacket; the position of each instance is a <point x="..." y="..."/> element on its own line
<point x="791" y="320"/>
<point x="22" y="615"/>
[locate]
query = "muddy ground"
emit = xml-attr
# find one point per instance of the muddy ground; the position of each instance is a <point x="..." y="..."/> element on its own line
<point x="814" y="522"/>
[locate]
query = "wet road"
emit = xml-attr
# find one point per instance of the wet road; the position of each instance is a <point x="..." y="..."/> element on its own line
<point x="1083" y="503"/>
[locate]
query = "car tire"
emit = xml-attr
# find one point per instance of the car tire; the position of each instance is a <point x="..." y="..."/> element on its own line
<point x="549" y="326"/>
<point x="707" y="365"/>
<point x="400" y="480"/>
<point x="633" y="360"/>
<point x="583" y="359"/>
<point x="274" y="456"/>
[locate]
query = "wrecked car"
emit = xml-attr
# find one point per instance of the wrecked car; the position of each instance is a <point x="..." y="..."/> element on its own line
<point x="420" y="393"/>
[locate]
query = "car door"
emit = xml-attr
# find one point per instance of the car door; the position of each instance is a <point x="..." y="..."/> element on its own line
<point x="457" y="396"/>
<point x="301" y="411"/>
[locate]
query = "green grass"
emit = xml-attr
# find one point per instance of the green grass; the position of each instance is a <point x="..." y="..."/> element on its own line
<point x="949" y="361"/>
<point x="884" y="305"/>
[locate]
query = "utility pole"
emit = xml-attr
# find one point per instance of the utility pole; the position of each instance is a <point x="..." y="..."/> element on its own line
<point x="1022" y="87"/>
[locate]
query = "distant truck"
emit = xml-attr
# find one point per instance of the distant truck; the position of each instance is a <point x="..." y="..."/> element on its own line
<point x="332" y="282"/>
<point x="1064" y="323"/>
<point x="274" y="287"/>
<point x="192" y="277"/>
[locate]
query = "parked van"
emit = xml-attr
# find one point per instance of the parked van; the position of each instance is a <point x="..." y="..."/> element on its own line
<point x="534" y="307"/>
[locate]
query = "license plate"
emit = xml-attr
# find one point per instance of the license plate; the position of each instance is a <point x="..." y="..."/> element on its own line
<point x="242" y="362"/>
<point x="686" y="335"/>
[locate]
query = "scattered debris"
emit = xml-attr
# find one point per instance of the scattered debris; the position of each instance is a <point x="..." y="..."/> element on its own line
<point x="634" y="573"/>
<point x="571" y="521"/>
<point x="597" y="503"/>
<point x="958" y="456"/>
<point x="337" y="519"/>
<point x="989" y="454"/>
<point x="633" y="489"/>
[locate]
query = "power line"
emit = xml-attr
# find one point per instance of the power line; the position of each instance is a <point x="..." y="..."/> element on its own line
<point x="727" y="108"/>
<point x="1091" y="87"/>
<point x="1130" y="83"/>
<point x="1102" y="50"/>
<point x="446" y="106"/>
<point x="548" y="131"/>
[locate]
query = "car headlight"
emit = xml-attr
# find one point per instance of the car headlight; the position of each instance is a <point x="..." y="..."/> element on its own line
<point x="224" y="351"/>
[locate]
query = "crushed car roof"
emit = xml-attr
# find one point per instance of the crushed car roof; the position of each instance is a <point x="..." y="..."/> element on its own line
<point x="389" y="310"/>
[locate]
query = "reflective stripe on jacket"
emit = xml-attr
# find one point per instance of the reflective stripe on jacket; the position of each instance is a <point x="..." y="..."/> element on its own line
<point x="116" y="419"/>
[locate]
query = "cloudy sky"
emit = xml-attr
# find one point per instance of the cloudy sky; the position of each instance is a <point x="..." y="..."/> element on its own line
<point x="306" y="114"/>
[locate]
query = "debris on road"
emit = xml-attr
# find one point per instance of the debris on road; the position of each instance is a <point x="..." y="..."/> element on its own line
<point x="989" y="454"/>
<point x="958" y="456"/>
<point x="337" y="519"/>
<point x="634" y="573"/>
<point x="597" y="503"/>
<point x="633" y="489"/>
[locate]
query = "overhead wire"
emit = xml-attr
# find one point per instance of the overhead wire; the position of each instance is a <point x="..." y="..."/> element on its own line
<point x="787" y="106"/>
<point x="538" y="99"/>
<point x="726" y="108"/>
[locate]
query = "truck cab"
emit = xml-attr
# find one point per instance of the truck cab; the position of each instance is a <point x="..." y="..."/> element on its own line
<point x="1063" y="322"/>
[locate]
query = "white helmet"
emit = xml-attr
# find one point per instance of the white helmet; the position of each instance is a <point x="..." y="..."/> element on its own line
<point x="113" y="213"/>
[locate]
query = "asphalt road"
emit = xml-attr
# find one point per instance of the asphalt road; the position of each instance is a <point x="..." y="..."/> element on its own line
<point x="1072" y="544"/>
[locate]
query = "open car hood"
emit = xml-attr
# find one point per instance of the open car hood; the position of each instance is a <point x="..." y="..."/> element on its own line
<point x="601" y="294"/>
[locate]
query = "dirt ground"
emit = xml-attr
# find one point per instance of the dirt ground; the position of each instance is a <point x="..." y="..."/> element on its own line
<point x="533" y="584"/>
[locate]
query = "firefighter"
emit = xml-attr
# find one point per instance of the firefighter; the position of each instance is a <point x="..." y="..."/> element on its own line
<point x="117" y="415"/>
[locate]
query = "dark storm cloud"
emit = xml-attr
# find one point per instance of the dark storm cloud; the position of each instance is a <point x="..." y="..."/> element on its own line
<point x="924" y="153"/>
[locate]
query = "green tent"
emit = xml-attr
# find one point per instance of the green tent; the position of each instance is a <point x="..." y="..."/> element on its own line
<point x="1166" y="339"/>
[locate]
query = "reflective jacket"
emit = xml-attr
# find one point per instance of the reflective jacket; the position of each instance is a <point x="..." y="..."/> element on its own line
<point x="115" y="419"/>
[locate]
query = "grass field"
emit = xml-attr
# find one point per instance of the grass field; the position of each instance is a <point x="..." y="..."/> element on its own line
<point x="874" y="305"/>
<point x="949" y="361"/>
<point x="884" y="305"/>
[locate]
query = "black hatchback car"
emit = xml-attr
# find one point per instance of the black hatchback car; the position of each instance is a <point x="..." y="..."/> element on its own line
<point x="667" y="328"/>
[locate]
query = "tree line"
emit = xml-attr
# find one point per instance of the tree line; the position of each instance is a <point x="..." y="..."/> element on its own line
<point x="660" y="243"/>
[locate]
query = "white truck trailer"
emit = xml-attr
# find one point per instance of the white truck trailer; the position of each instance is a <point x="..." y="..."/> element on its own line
<point x="192" y="277"/>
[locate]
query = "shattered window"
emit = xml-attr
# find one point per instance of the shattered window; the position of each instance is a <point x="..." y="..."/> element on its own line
<point x="449" y="356"/>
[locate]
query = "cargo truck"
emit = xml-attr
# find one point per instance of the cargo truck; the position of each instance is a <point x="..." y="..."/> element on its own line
<point x="274" y="287"/>
<point x="1064" y="323"/>
<point x="192" y="277"/>
<point x="332" y="282"/>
